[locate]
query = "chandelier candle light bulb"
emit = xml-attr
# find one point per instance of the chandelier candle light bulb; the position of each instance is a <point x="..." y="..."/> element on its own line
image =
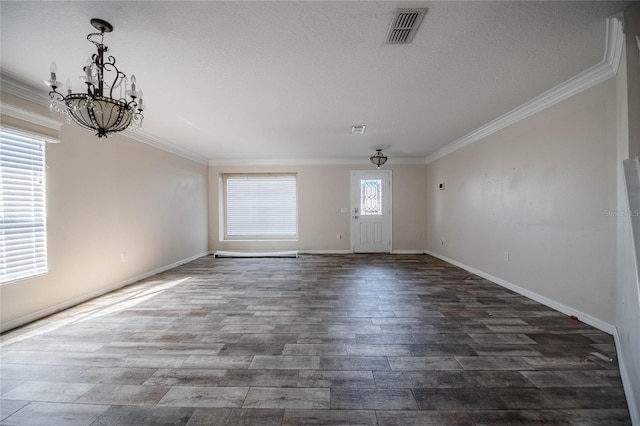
<point x="133" y="85"/>
<point x="97" y="109"/>
<point x="123" y="86"/>
<point x="88" y="69"/>
<point x="54" y="69"/>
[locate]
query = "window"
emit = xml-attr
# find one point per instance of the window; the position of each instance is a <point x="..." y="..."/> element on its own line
<point x="23" y="236"/>
<point x="260" y="206"/>
<point x="371" y="197"/>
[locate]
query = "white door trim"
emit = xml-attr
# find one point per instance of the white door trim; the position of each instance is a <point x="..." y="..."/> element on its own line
<point x="389" y="176"/>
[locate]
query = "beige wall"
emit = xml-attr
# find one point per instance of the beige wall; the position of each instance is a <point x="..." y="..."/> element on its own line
<point x="539" y="190"/>
<point x="105" y="198"/>
<point x="628" y="244"/>
<point x="632" y="29"/>
<point x="322" y="192"/>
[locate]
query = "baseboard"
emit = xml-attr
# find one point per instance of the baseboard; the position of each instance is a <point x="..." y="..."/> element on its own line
<point x="585" y="318"/>
<point x="351" y="252"/>
<point x="212" y="252"/>
<point x="222" y="253"/>
<point x="632" y="400"/>
<point x="88" y="296"/>
<point x="325" y="252"/>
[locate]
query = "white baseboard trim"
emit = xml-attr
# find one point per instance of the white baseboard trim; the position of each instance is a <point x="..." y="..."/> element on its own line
<point x="213" y="252"/>
<point x="351" y="252"/>
<point x="346" y="252"/>
<point x="222" y="253"/>
<point x="325" y="252"/>
<point x="585" y="318"/>
<point x="88" y="296"/>
<point x="634" y="409"/>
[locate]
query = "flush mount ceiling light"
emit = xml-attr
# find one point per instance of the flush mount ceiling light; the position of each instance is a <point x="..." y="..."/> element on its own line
<point x="97" y="109"/>
<point x="378" y="158"/>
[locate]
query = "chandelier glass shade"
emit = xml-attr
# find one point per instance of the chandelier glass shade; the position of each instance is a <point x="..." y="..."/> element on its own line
<point x="98" y="109"/>
<point x="378" y="158"/>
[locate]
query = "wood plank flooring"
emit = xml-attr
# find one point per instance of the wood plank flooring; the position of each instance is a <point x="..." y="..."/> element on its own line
<point x="352" y="339"/>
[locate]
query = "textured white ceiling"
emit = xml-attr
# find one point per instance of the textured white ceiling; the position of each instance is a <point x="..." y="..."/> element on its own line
<point x="287" y="80"/>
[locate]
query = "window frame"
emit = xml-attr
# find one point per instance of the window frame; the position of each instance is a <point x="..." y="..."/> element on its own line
<point x="39" y="265"/>
<point x="225" y="236"/>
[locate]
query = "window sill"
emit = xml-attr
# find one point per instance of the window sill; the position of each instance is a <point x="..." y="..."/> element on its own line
<point x="18" y="280"/>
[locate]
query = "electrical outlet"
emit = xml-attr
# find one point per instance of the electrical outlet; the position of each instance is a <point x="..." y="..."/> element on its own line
<point x="124" y="257"/>
<point x="506" y="256"/>
<point x="338" y="236"/>
<point x="441" y="241"/>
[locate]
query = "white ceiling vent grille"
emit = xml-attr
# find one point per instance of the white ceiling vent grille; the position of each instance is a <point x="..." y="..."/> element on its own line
<point x="358" y="130"/>
<point x="404" y="25"/>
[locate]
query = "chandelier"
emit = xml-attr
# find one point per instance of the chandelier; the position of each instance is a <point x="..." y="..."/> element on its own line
<point x="378" y="158"/>
<point x="98" y="109"/>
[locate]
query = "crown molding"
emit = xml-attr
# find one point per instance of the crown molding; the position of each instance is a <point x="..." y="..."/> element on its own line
<point x="598" y="73"/>
<point x="594" y="75"/>
<point x="12" y="85"/>
<point x="310" y="162"/>
<point x="149" y="139"/>
<point x="615" y="42"/>
<point x="31" y="117"/>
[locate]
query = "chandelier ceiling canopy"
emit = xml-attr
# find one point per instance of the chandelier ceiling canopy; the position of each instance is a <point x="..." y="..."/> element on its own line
<point x="97" y="109"/>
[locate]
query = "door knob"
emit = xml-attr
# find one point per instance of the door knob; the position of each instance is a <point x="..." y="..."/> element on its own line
<point x="355" y="217"/>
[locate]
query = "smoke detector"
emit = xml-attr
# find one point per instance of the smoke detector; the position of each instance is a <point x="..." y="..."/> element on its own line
<point x="404" y="25"/>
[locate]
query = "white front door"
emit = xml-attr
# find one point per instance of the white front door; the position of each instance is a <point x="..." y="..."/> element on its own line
<point x="371" y="211"/>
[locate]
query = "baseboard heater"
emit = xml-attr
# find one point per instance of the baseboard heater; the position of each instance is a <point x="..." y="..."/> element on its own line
<point x="220" y="253"/>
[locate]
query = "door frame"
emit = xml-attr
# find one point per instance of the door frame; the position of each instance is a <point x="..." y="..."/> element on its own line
<point x="389" y="176"/>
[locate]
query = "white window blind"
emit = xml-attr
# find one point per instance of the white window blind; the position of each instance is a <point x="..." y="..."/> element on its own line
<point x="260" y="206"/>
<point x="23" y="234"/>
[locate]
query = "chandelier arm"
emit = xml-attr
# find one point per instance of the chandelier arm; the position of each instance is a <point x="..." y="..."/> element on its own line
<point x="111" y="63"/>
<point x="138" y="117"/>
<point x="89" y="80"/>
<point x="55" y="95"/>
<point x="89" y="37"/>
<point x="132" y="104"/>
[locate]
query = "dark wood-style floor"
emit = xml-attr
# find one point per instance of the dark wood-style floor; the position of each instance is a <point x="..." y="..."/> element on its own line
<point x="355" y="339"/>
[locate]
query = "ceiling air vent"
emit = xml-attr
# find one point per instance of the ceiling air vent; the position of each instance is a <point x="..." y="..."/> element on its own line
<point x="358" y="130"/>
<point x="404" y="25"/>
